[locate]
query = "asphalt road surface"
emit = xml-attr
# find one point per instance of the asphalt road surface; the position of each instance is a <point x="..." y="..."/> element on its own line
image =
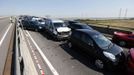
<point x="55" y="58"/>
<point x="6" y="30"/>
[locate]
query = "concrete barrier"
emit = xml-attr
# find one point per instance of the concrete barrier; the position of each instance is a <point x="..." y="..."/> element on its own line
<point x="27" y="64"/>
<point x="23" y="63"/>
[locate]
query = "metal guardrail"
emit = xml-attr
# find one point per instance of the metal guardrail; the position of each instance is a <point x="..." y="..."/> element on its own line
<point x="107" y="29"/>
<point x="114" y="27"/>
<point x="18" y="69"/>
<point x="23" y="61"/>
<point x="110" y="26"/>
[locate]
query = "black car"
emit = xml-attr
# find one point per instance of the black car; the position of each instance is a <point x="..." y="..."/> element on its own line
<point x="105" y="53"/>
<point x="30" y="25"/>
<point x="74" y="26"/>
<point x="71" y="22"/>
<point x="41" y="25"/>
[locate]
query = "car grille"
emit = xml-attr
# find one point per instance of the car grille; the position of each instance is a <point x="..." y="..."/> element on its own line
<point x="120" y="58"/>
<point x="64" y="33"/>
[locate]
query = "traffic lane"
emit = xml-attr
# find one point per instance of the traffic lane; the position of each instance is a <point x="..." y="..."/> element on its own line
<point x="4" y="23"/>
<point x="40" y="65"/>
<point x="4" y="46"/>
<point x="65" y="60"/>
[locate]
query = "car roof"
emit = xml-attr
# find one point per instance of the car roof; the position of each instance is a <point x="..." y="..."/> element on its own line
<point x="71" y="21"/>
<point x="89" y="32"/>
<point x="55" y="21"/>
<point x="79" y="24"/>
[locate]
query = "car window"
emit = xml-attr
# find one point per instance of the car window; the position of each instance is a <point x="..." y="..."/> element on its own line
<point x="85" y="38"/>
<point x="33" y="23"/>
<point x="102" y="41"/>
<point x="50" y="25"/>
<point x="72" y="26"/>
<point x="48" y="22"/>
<point x="86" y="27"/>
<point x="75" y="26"/>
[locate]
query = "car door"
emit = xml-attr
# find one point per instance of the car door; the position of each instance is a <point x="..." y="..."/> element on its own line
<point x="75" y="38"/>
<point x="87" y="44"/>
<point x="47" y="25"/>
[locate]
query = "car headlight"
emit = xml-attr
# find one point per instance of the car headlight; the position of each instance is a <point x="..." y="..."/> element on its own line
<point x="40" y="27"/>
<point x="110" y="56"/>
<point x="55" y="32"/>
<point x="70" y="33"/>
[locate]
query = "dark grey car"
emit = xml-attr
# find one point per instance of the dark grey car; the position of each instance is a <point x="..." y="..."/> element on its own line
<point x="105" y="53"/>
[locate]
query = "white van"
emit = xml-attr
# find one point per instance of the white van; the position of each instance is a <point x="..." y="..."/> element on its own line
<point x="57" y="28"/>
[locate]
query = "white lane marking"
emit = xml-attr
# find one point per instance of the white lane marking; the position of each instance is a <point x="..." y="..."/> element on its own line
<point x="44" y="57"/>
<point x="41" y="70"/>
<point x="34" y="54"/>
<point x="37" y="61"/>
<point x="39" y="66"/>
<point x="1" y="41"/>
<point x="35" y="57"/>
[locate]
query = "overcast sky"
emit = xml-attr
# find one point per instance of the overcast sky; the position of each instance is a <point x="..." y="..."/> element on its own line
<point x="68" y="8"/>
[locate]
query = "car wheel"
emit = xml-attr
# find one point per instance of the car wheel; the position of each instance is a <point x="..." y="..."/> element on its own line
<point x="99" y="64"/>
<point x="55" y="38"/>
<point x="36" y="30"/>
<point x="122" y="43"/>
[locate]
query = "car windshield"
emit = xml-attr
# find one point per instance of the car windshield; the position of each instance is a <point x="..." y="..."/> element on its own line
<point x="40" y="20"/>
<point x="59" y="25"/>
<point x="33" y="23"/>
<point x="102" y="41"/>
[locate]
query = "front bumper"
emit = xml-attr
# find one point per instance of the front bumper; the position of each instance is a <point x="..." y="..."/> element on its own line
<point x="62" y="36"/>
<point x="119" y="63"/>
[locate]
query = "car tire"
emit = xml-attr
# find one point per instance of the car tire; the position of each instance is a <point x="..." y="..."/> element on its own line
<point x="55" y="38"/>
<point x="36" y="30"/>
<point x="122" y="43"/>
<point x="99" y="64"/>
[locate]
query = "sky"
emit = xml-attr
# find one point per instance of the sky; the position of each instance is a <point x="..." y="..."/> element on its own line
<point x="68" y="8"/>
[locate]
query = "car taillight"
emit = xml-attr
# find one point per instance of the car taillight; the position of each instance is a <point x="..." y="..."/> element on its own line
<point x="115" y="32"/>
